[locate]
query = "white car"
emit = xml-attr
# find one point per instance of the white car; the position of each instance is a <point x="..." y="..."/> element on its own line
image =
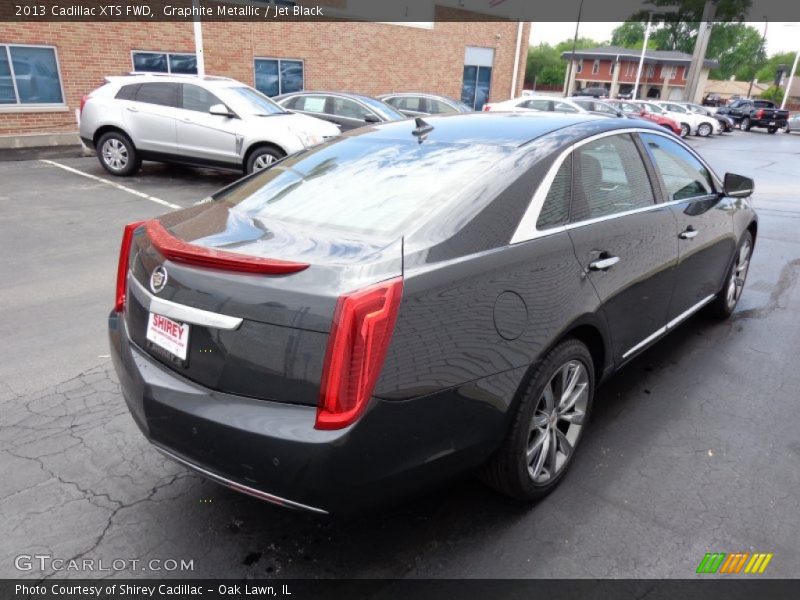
<point x="203" y="121"/>
<point x="535" y="103"/>
<point x="700" y="124"/>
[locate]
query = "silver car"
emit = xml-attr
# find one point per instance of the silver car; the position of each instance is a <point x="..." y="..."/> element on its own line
<point x="202" y="121"/>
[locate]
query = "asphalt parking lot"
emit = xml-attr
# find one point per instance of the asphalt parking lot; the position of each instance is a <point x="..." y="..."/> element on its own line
<point x="693" y="448"/>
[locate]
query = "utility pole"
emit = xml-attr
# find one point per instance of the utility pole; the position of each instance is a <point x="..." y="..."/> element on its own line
<point x="791" y="78"/>
<point x="567" y="91"/>
<point x="699" y="54"/>
<point x="198" y="40"/>
<point x="641" y="58"/>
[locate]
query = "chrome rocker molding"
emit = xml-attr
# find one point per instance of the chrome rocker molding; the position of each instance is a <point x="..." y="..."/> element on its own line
<point x="670" y="326"/>
<point x="238" y="486"/>
<point x="181" y="312"/>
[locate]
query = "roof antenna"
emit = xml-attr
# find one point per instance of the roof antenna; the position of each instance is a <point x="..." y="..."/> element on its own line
<point x="422" y="129"/>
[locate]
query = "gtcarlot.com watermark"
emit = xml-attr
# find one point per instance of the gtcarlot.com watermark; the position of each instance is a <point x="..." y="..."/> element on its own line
<point x="47" y="562"/>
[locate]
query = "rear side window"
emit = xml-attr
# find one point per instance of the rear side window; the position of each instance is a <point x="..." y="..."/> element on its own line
<point x="127" y="92"/>
<point x="314" y="104"/>
<point x="684" y="176"/>
<point x="437" y="107"/>
<point x="609" y="177"/>
<point x="164" y="94"/>
<point x="370" y="186"/>
<point x="199" y="99"/>
<point x="555" y="210"/>
<point x="408" y="103"/>
<point x="344" y="107"/>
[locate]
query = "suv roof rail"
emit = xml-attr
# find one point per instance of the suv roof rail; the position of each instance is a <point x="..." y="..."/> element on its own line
<point x="179" y="75"/>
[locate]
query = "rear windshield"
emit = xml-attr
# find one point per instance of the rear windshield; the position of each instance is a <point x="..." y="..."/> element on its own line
<point x="365" y="185"/>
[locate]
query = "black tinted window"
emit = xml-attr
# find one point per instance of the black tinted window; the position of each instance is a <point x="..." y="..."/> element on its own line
<point x="609" y="178"/>
<point x="197" y="98"/>
<point x="158" y="93"/>
<point x="684" y="176"/>
<point x="555" y="210"/>
<point x="127" y="92"/>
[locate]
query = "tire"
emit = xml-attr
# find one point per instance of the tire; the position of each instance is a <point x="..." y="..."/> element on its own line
<point x="509" y="471"/>
<point x="728" y="297"/>
<point x="685" y="130"/>
<point x="704" y="129"/>
<point x="772" y="129"/>
<point x="117" y="154"/>
<point x="263" y="157"/>
<point x="745" y="126"/>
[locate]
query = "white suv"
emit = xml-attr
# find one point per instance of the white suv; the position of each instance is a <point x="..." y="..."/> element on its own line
<point x="203" y="121"/>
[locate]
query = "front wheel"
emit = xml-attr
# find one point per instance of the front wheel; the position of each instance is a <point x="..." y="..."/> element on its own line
<point x="725" y="303"/>
<point x="745" y="126"/>
<point x="262" y="158"/>
<point x="704" y="129"/>
<point x="547" y="427"/>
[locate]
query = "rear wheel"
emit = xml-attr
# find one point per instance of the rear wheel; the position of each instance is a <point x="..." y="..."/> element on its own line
<point x="117" y="154"/>
<point x="725" y="303"/>
<point x="704" y="129"/>
<point x="772" y="129"/>
<point x="685" y="129"/>
<point x="262" y="158"/>
<point x="745" y="124"/>
<point x="547" y="426"/>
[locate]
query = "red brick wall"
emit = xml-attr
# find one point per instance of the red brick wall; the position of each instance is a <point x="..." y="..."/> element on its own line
<point x="360" y="57"/>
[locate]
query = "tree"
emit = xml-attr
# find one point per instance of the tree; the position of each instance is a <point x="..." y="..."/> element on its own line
<point x="774" y="93"/>
<point x="770" y="67"/>
<point x="631" y="35"/>
<point x="737" y="47"/>
<point x="544" y="65"/>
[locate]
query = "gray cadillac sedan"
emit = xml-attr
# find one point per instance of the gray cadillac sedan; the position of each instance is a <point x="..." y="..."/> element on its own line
<point x="417" y="300"/>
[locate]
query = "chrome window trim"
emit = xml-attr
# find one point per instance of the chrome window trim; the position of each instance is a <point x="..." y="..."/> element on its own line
<point x="526" y="229"/>
<point x="181" y="312"/>
<point x="671" y="325"/>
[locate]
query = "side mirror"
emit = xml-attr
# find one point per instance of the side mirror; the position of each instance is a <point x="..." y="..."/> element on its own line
<point x="221" y="110"/>
<point x="738" y="186"/>
<point x="371" y="119"/>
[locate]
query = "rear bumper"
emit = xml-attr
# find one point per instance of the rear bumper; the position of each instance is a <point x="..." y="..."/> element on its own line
<point x="272" y="451"/>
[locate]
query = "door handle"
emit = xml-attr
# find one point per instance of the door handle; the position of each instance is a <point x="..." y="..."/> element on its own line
<point x="603" y="264"/>
<point x="132" y="108"/>
<point x="689" y="233"/>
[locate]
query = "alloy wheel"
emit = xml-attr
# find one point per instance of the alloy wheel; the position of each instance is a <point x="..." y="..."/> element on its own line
<point x="115" y="154"/>
<point x="557" y="422"/>
<point x="739" y="274"/>
<point x="684" y="130"/>
<point x="704" y="130"/>
<point x="263" y="161"/>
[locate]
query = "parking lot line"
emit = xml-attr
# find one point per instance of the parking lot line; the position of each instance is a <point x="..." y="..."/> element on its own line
<point x="109" y="182"/>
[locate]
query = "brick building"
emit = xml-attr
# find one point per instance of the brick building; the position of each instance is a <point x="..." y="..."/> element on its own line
<point x="45" y="68"/>
<point x="663" y="72"/>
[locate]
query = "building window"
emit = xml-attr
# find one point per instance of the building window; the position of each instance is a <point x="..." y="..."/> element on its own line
<point x="579" y="66"/>
<point x="651" y="71"/>
<point x="630" y="69"/>
<point x="164" y="62"/>
<point x="276" y="76"/>
<point x="595" y="67"/>
<point x="683" y="74"/>
<point x="29" y="75"/>
<point x="477" y="81"/>
<point x="673" y="73"/>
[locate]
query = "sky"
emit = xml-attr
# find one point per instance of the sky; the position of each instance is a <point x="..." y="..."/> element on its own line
<point x="781" y="37"/>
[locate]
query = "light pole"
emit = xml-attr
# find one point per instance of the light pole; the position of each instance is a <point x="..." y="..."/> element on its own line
<point x="760" y="48"/>
<point x="641" y="57"/>
<point x="791" y="74"/>
<point x="567" y="91"/>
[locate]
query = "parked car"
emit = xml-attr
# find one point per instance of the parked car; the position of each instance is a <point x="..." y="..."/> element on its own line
<point x="725" y="122"/>
<point x="535" y="103"/>
<point x="792" y="123"/>
<point x="592" y="91"/>
<point x="652" y="108"/>
<point x="597" y="107"/>
<point x="756" y="113"/>
<point x="632" y="109"/>
<point x="203" y="121"/>
<point x="348" y="111"/>
<point x="713" y="100"/>
<point x="413" y="104"/>
<point x="701" y="125"/>
<point x="390" y="309"/>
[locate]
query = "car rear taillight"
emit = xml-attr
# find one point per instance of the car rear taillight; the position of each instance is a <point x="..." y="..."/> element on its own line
<point x="362" y="329"/>
<point x="487" y="107"/>
<point x="177" y="250"/>
<point x="83" y="102"/>
<point x="760" y="113"/>
<point x="122" y="265"/>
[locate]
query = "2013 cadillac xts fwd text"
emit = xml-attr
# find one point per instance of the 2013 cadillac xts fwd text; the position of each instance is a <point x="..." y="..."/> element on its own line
<point x="413" y="301"/>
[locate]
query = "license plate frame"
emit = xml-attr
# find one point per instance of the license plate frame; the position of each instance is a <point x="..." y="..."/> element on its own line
<point x="168" y="338"/>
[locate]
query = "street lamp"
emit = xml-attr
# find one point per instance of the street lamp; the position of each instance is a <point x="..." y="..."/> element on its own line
<point x="658" y="11"/>
<point x="791" y="74"/>
<point x="567" y="91"/>
<point x="760" y="48"/>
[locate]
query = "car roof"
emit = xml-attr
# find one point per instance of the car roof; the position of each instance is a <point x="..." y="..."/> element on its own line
<point x="323" y="93"/>
<point x="490" y="128"/>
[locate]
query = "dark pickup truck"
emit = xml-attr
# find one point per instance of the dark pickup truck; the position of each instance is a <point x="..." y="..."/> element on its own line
<point x="756" y="113"/>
